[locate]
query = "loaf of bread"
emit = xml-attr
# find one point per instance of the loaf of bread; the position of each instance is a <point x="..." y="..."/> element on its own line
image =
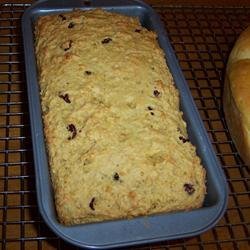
<point x="236" y="96"/>
<point x="117" y="143"/>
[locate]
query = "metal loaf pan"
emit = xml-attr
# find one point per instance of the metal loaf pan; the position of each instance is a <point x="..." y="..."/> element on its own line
<point x="139" y="230"/>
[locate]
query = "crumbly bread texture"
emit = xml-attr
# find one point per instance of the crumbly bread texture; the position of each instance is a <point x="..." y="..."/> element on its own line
<point x="236" y="95"/>
<point x="117" y="143"/>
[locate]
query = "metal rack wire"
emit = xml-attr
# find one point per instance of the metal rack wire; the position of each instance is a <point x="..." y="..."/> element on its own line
<point x="202" y="39"/>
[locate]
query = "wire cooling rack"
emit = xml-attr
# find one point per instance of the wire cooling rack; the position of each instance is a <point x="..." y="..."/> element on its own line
<point x="202" y="38"/>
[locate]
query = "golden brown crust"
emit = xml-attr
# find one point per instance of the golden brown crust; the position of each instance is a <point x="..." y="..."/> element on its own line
<point x="116" y="139"/>
<point x="241" y="49"/>
<point x="236" y="97"/>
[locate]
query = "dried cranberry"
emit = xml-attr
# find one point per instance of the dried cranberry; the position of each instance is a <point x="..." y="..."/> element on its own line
<point x="156" y="93"/>
<point x="106" y="40"/>
<point x="189" y="188"/>
<point x="71" y="25"/>
<point x="92" y="203"/>
<point x="87" y="72"/>
<point x="63" y="17"/>
<point x="116" y="177"/>
<point x="183" y="139"/>
<point x="71" y="128"/>
<point x="65" y="97"/>
<point x="137" y="30"/>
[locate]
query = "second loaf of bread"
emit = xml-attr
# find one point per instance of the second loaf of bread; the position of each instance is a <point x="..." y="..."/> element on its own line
<point x="117" y="142"/>
<point x="236" y="97"/>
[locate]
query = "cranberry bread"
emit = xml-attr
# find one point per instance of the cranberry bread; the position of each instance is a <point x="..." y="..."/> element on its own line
<point x="117" y="143"/>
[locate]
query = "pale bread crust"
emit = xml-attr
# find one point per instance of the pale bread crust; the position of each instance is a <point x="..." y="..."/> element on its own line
<point x="236" y="96"/>
<point x="130" y="155"/>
